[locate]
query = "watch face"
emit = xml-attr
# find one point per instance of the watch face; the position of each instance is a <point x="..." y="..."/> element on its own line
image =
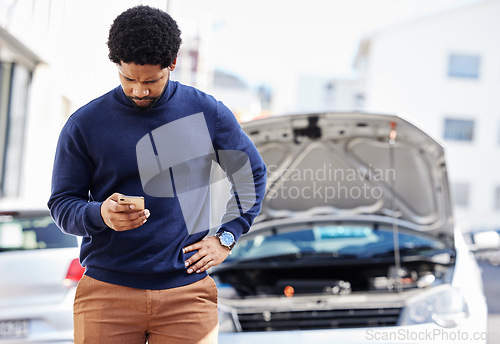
<point x="226" y="239"/>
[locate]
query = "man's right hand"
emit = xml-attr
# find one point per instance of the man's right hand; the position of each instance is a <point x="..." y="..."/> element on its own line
<point x="122" y="217"/>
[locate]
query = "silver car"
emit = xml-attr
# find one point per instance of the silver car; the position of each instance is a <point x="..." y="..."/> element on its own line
<point x="355" y="242"/>
<point x="39" y="270"/>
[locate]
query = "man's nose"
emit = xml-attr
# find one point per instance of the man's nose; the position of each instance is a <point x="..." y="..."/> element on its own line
<point x="140" y="91"/>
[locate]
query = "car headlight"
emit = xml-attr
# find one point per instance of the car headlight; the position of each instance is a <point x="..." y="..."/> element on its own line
<point x="226" y="320"/>
<point x="443" y="305"/>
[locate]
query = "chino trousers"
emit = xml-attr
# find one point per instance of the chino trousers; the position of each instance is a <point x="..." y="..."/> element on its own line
<point x="108" y="313"/>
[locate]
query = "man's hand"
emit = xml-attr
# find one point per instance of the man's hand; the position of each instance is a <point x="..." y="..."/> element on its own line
<point x="122" y="217"/>
<point x="210" y="253"/>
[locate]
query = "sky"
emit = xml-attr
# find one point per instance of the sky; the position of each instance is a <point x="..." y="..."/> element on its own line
<point x="261" y="41"/>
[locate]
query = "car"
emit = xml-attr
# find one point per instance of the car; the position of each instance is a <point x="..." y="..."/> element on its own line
<point x="355" y="242"/>
<point x="39" y="271"/>
<point x="485" y="244"/>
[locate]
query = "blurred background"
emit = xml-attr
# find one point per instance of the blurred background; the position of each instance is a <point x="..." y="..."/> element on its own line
<point x="433" y="62"/>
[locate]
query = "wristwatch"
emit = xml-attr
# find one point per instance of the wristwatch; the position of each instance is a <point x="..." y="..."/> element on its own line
<point x="226" y="239"/>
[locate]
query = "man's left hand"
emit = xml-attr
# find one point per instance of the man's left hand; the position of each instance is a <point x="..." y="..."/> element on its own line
<point x="210" y="253"/>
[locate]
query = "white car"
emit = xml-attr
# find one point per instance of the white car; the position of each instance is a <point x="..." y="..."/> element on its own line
<point x="39" y="271"/>
<point x="355" y="242"/>
<point x="486" y="245"/>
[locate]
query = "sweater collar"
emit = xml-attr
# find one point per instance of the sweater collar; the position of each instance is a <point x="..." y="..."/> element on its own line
<point x="166" y="95"/>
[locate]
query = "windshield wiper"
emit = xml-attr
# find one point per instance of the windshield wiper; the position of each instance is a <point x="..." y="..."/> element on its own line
<point x="2" y="249"/>
<point x="298" y="256"/>
<point x="420" y="251"/>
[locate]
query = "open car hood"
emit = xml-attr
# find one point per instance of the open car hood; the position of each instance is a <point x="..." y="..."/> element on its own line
<point x="345" y="164"/>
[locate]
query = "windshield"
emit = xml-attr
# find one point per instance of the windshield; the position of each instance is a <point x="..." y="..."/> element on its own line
<point x="346" y="240"/>
<point x="29" y="233"/>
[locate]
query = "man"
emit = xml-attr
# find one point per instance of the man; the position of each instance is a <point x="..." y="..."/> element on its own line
<point x="146" y="268"/>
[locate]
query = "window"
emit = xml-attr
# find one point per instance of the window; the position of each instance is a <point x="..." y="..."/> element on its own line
<point x="460" y="193"/>
<point x="5" y="79"/>
<point x="359" y="101"/>
<point x="463" y="66"/>
<point x="497" y="198"/>
<point x="458" y="129"/>
<point x="330" y="95"/>
<point x="15" y="82"/>
<point x="32" y="232"/>
<point x="498" y="140"/>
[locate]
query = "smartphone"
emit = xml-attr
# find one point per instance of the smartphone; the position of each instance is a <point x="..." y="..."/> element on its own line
<point x="138" y="201"/>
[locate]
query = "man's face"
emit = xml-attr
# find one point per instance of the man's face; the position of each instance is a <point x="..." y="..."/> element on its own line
<point x="143" y="84"/>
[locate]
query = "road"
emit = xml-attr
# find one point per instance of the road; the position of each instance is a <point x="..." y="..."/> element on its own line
<point x="491" y="280"/>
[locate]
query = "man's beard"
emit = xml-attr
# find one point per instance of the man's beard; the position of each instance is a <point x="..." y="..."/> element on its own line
<point x="154" y="100"/>
<point x="144" y="108"/>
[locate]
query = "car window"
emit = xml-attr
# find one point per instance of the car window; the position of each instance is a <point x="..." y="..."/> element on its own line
<point x="342" y="240"/>
<point x="29" y="233"/>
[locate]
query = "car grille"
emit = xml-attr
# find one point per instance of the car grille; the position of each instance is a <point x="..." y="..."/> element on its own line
<point x="318" y="319"/>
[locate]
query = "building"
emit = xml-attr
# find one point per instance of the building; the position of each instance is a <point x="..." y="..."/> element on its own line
<point x="17" y="66"/>
<point x="17" y="63"/>
<point x="53" y="59"/>
<point x="323" y="94"/>
<point x="442" y="72"/>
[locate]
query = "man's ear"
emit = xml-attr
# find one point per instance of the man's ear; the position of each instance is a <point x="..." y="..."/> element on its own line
<point x="172" y="66"/>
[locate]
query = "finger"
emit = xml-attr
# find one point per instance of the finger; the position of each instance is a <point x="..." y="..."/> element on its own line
<point x="123" y="221"/>
<point x="195" y="258"/>
<point x="205" y="267"/>
<point x="119" y="208"/>
<point x="114" y="207"/>
<point x="134" y="215"/>
<point x="199" y="265"/>
<point x="126" y="226"/>
<point x="115" y="196"/>
<point x="193" y="247"/>
<point x="113" y="203"/>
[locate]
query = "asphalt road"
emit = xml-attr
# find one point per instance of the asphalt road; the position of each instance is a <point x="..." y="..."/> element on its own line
<point x="491" y="280"/>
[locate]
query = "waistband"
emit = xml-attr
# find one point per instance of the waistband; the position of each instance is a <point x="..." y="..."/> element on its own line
<point x="155" y="281"/>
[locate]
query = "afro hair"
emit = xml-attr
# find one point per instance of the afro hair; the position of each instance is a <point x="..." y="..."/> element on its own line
<point x="144" y="35"/>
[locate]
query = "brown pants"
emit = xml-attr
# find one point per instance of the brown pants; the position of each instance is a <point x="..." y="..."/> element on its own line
<point x="107" y="313"/>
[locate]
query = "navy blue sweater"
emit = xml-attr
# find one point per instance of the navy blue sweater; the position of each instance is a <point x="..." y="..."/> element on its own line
<point x="103" y="149"/>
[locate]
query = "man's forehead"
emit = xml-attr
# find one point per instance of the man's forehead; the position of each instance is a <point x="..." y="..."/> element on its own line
<point x="141" y="72"/>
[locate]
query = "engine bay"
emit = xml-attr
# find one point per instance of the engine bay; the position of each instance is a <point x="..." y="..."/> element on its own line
<point x="288" y="280"/>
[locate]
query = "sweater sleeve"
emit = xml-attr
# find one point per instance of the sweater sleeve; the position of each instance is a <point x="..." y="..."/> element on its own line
<point x="245" y="169"/>
<point x="71" y="179"/>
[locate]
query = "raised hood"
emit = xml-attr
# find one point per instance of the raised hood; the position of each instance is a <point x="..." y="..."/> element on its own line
<point x="345" y="163"/>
